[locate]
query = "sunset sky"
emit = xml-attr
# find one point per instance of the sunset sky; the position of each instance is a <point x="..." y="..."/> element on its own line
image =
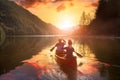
<point x="63" y="14"/>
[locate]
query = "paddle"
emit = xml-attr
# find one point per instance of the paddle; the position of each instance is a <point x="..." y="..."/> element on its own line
<point x="78" y="54"/>
<point x="52" y="49"/>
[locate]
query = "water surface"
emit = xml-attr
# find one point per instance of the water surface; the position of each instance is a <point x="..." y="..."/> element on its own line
<point x="34" y="59"/>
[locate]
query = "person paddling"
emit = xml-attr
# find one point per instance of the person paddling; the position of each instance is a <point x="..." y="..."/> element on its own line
<point x="60" y="46"/>
<point x="69" y="50"/>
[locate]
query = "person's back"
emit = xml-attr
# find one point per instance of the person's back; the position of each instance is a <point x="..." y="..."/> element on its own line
<point x="69" y="50"/>
<point x="60" y="46"/>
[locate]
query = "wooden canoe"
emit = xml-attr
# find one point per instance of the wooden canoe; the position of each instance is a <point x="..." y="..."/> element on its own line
<point x="66" y="62"/>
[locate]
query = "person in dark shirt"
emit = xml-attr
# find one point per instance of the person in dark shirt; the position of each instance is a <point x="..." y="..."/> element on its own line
<point x="69" y="50"/>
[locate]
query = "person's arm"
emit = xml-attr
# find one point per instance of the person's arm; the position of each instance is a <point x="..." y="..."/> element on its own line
<point x="64" y="41"/>
<point x="53" y="48"/>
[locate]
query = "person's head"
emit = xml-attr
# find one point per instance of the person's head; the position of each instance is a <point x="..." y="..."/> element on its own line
<point x="69" y="42"/>
<point x="60" y="40"/>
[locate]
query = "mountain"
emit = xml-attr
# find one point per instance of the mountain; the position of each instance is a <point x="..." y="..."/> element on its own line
<point x="107" y="21"/>
<point x="15" y="20"/>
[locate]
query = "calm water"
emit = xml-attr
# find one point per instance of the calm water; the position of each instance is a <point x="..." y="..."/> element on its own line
<point x="31" y="56"/>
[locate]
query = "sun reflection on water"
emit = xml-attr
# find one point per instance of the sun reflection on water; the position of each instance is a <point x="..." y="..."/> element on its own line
<point x="87" y="65"/>
<point x="85" y="51"/>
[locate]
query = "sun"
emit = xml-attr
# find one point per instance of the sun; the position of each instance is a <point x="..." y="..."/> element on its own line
<point x="66" y="23"/>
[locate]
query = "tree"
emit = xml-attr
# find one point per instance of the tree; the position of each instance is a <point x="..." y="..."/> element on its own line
<point x="85" y="18"/>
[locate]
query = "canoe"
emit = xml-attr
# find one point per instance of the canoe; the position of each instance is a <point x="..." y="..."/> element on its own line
<point x="70" y="63"/>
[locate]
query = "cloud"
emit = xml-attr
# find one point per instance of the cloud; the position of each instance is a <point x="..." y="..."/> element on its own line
<point x="61" y="7"/>
<point x="27" y="3"/>
<point x="31" y="3"/>
<point x="94" y="4"/>
<point x="71" y="4"/>
<point x="61" y="4"/>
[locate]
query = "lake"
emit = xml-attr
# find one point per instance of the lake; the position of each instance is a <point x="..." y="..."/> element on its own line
<point x="30" y="55"/>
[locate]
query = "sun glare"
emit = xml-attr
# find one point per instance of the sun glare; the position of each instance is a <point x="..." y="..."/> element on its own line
<point x="66" y="23"/>
<point x="64" y="15"/>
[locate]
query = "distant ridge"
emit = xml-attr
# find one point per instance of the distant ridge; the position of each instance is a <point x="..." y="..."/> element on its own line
<point x="15" y="20"/>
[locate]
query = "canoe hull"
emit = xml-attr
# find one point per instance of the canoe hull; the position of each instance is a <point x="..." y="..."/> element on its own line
<point x="67" y="63"/>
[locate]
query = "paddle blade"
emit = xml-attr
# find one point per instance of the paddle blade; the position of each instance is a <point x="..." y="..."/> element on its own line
<point x="52" y="49"/>
<point x="79" y="55"/>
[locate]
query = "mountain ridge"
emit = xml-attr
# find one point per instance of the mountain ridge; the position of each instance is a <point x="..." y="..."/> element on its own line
<point x="15" y="20"/>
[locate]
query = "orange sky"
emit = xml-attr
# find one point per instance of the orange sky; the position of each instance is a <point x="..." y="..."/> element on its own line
<point x="63" y="14"/>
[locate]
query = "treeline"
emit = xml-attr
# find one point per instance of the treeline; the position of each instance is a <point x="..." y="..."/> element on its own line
<point x="107" y="21"/>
